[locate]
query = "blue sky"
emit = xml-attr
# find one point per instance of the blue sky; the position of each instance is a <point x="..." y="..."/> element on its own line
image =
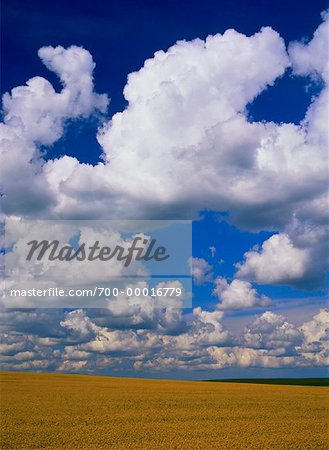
<point x="255" y="193"/>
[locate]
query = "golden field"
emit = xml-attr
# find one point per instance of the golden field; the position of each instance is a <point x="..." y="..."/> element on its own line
<point x="84" y="412"/>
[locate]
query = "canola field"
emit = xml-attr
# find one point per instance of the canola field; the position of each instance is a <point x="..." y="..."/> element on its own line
<point x="51" y="411"/>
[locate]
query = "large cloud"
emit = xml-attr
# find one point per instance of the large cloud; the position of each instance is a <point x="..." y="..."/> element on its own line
<point x="184" y="142"/>
<point x="185" y="129"/>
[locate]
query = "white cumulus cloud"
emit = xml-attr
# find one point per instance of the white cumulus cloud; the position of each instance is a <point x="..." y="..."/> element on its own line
<point x="238" y="294"/>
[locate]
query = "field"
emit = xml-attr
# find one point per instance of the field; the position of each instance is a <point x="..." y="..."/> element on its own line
<point x="82" y="412"/>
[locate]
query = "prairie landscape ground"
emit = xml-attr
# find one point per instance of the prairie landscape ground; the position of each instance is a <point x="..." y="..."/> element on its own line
<point x="89" y="412"/>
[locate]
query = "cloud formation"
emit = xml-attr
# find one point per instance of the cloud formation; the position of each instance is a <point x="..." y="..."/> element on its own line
<point x="278" y="261"/>
<point x="186" y="129"/>
<point x="35" y="116"/>
<point x="238" y="294"/>
<point x="201" y="270"/>
<point x="80" y="342"/>
<point x="183" y="144"/>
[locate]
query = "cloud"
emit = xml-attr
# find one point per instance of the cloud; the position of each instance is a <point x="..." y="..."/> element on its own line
<point x="238" y="294"/>
<point x="27" y="352"/>
<point x="161" y="313"/>
<point x="318" y="328"/>
<point x="272" y="331"/>
<point x="36" y="112"/>
<point x="207" y="327"/>
<point x="188" y="105"/>
<point x="35" y="115"/>
<point x="315" y="346"/>
<point x="312" y="57"/>
<point x="269" y="340"/>
<point x="201" y="270"/>
<point x="215" y="88"/>
<point x="278" y="261"/>
<point x="298" y="259"/>
<point x="77" y="322"/>
<point x="247" y="357"/>
<point x="191" y="101"/>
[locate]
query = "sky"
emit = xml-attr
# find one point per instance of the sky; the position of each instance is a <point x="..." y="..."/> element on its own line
<point x="207" y="111"/>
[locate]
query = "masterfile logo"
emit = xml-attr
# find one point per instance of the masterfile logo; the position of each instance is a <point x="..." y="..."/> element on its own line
<point x="140" y="250"/>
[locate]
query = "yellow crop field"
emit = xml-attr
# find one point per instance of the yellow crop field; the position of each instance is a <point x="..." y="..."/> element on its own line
<point x="85" y="412"/>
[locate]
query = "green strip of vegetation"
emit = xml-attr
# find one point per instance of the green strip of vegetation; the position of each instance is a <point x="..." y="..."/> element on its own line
<point x="281" y="381"/>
